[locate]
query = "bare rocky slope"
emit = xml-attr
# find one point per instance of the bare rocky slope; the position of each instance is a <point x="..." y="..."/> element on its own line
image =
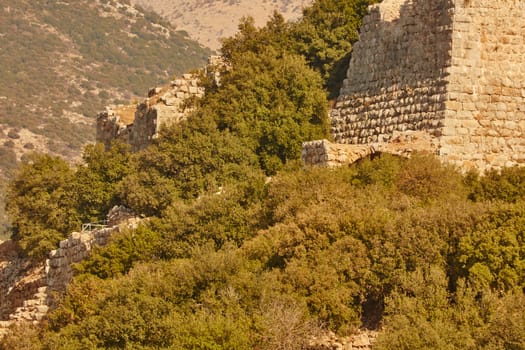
<point x="207" y="20"/>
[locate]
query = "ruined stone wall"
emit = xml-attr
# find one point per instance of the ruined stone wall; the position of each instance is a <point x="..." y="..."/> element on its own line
<point x="485" y="109"/>
<point x="326" y="153"/>
<point x="74" y="249"/>
<point x="27" y="292"/>
<point x="163" y="106"/>
<point x="166" y="107"/>
<point x="397" y="75"/>
<point x="112" y="125"/>
<point x="19" y="280"/>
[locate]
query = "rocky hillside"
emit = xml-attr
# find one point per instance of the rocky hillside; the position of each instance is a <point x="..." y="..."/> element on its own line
<point x="207" y="20"/>
<point x="61" y="62"/>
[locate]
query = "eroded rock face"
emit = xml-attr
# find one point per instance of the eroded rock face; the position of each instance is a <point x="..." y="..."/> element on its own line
<point x="454" y="69"/>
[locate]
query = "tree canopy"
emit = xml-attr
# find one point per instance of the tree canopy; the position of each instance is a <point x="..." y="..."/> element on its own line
<point x="245" y="249"/>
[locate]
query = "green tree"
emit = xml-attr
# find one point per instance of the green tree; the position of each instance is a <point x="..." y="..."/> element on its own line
<point x="506" y="324"/>
<point x="419" y="315"/>
<point x="249" y="38"/>
<point x="325" y="36"/>
<point x="40" y="205"/>
<point x="506" y="185"/>
<point x="96" y="181"/>
<point x="188" y="159"/>
<point x="492" y="254"/>
<point x="272" y="102"/>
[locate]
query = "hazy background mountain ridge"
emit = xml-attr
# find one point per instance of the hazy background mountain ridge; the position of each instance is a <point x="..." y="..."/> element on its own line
<point x="207" y="20"/>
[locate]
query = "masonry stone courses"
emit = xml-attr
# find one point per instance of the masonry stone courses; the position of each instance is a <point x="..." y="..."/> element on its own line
<point x="454" y="69"/>
<point x="329" y="154"/>
<point x="138" y="124"/>
<point x="27" y="292"/>
<point x="163" y="106"/>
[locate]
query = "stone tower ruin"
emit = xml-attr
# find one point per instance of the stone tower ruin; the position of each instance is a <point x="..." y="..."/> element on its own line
<point x="450" y="70"/>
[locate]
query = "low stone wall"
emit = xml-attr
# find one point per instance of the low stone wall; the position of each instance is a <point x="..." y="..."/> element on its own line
<point x="326" y="153"/>
<point x="28" y="292"/>
<point x="58" y="268"/>
<point x="31" y="294"/>
<point x="19" y="280"/>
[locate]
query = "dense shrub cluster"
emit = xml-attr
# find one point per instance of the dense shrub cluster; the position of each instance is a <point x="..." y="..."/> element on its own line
<point x="244" y="249"/>
<point x="264" y="263"/>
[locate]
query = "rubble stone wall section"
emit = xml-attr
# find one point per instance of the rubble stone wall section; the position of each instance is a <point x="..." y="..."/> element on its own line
<point x="19" y="281"/>
<point x="30" y="294"/>
<point x="169" y="106"/>
<point x="326" y="153"/>
<point x="329" y="154"/>
<point x="164" y="106"/>
<point x="74" y="249"/>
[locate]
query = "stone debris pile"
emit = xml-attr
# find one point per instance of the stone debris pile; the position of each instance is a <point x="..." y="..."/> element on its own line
<point x="362" y="340"/>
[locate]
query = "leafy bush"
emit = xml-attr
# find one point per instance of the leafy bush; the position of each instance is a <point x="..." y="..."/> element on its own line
<point x="281" y="105"/>
<point x="39" y="204"/>
<point x="232" y="259"/>
<point x="325" y="35"/>
<point x="506" y="185"/>
<point x="96" y="181"/>
<point x="238" y="267"/>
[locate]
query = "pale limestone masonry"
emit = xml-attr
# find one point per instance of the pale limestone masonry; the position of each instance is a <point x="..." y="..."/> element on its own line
<point x="19" y="282"/>
<point x="138" y="124"/>
<point x="454" y="69"/>
<point x="329" y="154"/>
<point x="27" y="293"/>
<point x="74" y="249"/>
<point x="361" y="340"/>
